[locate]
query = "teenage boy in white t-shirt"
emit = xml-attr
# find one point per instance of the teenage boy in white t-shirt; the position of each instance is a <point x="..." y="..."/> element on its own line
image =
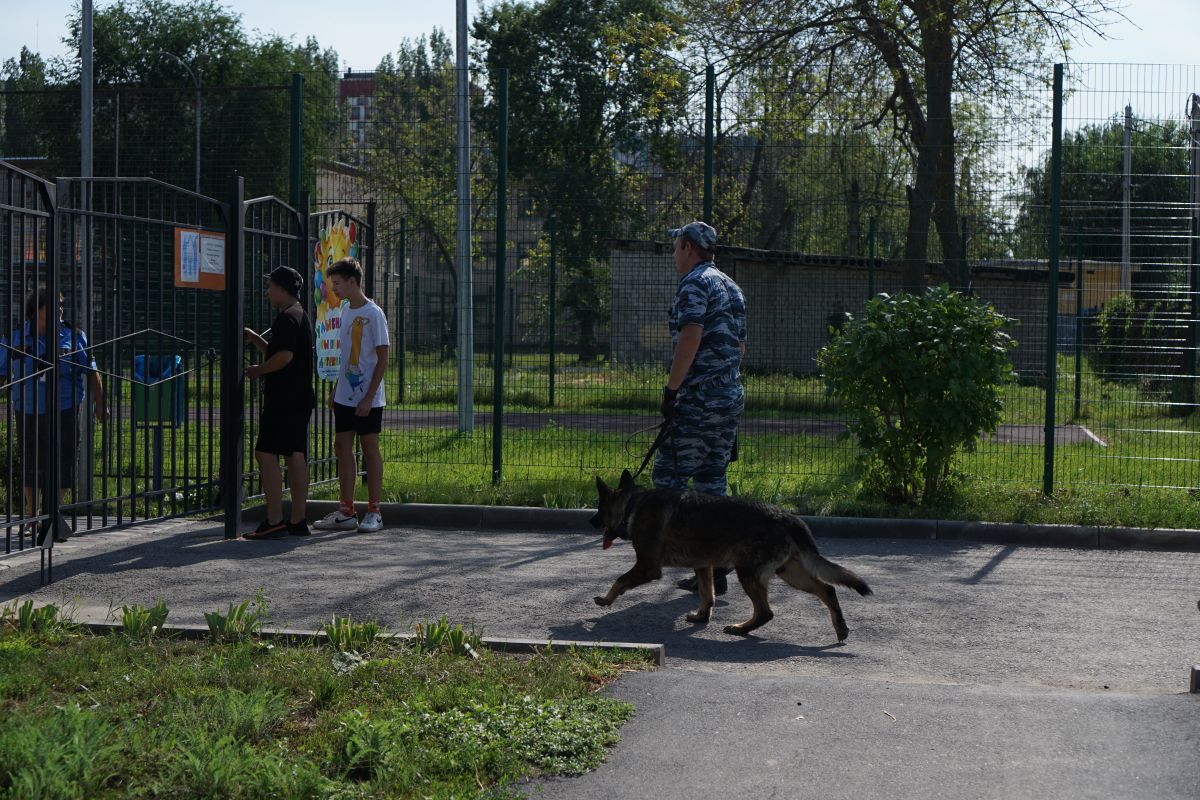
<point x="357" y="399"/>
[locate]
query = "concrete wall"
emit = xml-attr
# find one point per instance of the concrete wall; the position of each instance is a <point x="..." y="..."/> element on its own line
<point x="792" y="305"/>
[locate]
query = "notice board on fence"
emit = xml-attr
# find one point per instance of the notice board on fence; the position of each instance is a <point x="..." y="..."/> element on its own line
<point x="199" y="259"/>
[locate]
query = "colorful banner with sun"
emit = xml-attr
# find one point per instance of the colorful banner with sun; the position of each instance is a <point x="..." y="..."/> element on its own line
<point x="334" y="243"/>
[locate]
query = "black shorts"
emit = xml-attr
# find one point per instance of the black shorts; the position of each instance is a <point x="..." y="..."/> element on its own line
<point x="282" y="434"/>
<point x="33" y="432"/>
<point x="346" y="421"/>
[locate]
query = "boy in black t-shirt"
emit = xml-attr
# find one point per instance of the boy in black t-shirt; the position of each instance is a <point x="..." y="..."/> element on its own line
<point x="287" y="373"/>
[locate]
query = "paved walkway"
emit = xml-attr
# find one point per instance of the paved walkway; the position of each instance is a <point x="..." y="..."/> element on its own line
<point x="1011" y="672"/>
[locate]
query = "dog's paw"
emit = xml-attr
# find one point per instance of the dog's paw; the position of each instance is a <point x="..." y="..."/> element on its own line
<point x="736" y="630"/>
<point x="699" y="616"/>
<point x="602" y="601"/>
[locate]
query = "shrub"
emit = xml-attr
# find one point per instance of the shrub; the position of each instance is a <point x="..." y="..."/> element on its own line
<point x="919" y="377"/>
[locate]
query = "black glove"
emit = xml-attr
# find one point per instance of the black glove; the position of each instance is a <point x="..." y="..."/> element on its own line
<point x="668" y="402"/>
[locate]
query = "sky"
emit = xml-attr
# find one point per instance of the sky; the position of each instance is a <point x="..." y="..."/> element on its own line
<point x="1159" y="31"/>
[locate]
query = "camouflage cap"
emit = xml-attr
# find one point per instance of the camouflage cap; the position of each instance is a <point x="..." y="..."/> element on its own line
<point x="701" y="233"/>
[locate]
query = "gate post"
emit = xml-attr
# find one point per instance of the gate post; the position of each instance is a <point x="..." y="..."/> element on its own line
<point x="296" y="177"/>
<point x="369" y="266"/>
<point x="233" y="412"/>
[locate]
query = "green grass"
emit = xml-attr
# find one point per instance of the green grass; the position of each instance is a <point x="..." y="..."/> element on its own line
<point x="89" y="716"/>
<point x="1145" y="475"/>
<point x="556" y="467"/>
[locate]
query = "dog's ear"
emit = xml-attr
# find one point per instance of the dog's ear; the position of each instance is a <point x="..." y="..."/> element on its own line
<point x="602" y="487"/>
<point x="626" y="480"/>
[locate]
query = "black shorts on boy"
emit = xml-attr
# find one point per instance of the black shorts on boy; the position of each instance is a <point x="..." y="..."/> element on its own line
<point x="347" y="420"/>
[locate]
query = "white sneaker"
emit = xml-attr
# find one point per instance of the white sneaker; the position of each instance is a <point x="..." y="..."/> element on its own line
<point x="337" y="521"/>
<point x="372" y="521"/>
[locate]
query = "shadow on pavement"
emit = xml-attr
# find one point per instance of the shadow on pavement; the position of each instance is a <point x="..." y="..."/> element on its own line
<point x="178" y="550"/>
<point x="655" y="622"/>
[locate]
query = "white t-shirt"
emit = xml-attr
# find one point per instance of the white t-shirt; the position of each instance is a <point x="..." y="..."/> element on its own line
<point x="361" y="331"/>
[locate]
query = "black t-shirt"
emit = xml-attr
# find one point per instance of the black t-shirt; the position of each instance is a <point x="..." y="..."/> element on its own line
<point x="290" y="390"/>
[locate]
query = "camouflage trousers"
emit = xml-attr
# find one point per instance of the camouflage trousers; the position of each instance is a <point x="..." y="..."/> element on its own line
<point x="699" y="442"/>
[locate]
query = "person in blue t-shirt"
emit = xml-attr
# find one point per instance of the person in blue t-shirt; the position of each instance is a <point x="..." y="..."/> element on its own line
<point x="25" y="372"/>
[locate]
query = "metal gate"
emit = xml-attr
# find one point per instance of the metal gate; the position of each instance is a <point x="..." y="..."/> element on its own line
<point x="141" y="412"/>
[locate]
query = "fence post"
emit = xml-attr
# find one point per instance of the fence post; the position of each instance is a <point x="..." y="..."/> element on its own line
<point x="232" y="405"/>
<point x="1078" y="322"/>
<point x="52" y="469"/>
<point x="1052" y="283"/>
<point x="710" y="79"/>
<point x="1194" y="271"/>
<point x="297" y="152"/>
<point x="401" y="343"/>
<point x="416" y="312"/>
<point x="370" y="242"/>
<point x="501" y="255"/>
<point x="553" y="304"/>
<point x="871" y="258"/>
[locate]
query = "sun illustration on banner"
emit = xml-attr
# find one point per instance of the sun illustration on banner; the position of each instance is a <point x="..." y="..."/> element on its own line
<point x="335" y="242"/>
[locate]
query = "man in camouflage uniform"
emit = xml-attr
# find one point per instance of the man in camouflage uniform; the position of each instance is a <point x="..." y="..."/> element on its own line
<point x="703" y="399"/>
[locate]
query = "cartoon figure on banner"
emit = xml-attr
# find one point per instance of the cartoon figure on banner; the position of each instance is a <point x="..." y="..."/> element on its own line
<point x="334" y="243"/>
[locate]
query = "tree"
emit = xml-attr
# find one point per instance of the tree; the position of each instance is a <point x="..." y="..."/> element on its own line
<point x="19" y="124"/>
<point x="411" y="159"/>
<point x="588" y="79"/>
<point x="1093" y="193"/>
<point x="928" y="51"/>
<point x="145" y="100"/>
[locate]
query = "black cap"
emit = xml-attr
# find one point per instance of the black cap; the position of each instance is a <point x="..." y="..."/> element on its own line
<point x="287" y="279"/>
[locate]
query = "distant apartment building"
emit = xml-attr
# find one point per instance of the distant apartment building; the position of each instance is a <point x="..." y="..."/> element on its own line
<point x="356" y="92"/>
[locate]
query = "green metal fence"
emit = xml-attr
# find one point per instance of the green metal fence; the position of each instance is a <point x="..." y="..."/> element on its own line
<point x="810" y="192"/>
<point x="811" y="202"/>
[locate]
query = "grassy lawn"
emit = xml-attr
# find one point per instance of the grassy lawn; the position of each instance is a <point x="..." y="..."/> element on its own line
<point x="555" y="467"/>
<point x="1144" y="471"/>
<point x="131" y="715"/>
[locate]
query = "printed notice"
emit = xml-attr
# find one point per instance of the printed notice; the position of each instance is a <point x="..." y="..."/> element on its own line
<point x="199" y="259"/>
<point x="189" y="256"/>
<point x="212" y="254"/>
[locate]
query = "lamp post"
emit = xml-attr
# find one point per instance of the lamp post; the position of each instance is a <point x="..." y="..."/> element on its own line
<point x="196" y="83"/>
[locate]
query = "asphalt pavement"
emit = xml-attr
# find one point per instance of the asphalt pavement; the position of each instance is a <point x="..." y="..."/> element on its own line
<point x="975" y="670"/>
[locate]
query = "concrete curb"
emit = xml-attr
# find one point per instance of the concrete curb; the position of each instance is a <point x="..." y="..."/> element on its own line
<point x="498" y="644"/>
<point x="568" y="520"/>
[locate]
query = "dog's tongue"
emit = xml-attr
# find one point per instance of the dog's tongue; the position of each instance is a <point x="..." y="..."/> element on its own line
<point x="608" y="542"/>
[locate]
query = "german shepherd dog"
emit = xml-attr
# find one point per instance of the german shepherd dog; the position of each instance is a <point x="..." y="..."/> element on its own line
<point x="670" y="528"/>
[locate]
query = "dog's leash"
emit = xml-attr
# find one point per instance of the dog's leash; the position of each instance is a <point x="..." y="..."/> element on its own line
<point x="658" y="440"/>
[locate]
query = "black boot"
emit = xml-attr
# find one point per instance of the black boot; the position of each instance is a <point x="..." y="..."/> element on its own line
<point x="720" y="582"/>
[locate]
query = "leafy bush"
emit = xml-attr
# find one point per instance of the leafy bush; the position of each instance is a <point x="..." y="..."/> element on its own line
<point x="919" y="377"/>
<point x="1141" y="340"/>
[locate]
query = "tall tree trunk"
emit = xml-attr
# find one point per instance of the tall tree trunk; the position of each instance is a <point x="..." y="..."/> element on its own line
<point x="937" y="25"/>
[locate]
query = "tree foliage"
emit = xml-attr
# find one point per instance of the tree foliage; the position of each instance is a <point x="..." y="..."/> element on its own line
<point x="1093" y="191"/>
<point x="919" y="377"/>
<point x="145" y="100"/>
<point x="929" y="52"/>
<point x="588" y="79"/>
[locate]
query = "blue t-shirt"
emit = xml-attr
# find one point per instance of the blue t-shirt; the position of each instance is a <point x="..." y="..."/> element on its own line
<point x="23" y="355"/>
<point x="708" y="297"/>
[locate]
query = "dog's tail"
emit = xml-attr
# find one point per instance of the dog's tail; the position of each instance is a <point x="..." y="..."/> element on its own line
<point x="830" y="572"/>
<point x="820" y="566"/>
